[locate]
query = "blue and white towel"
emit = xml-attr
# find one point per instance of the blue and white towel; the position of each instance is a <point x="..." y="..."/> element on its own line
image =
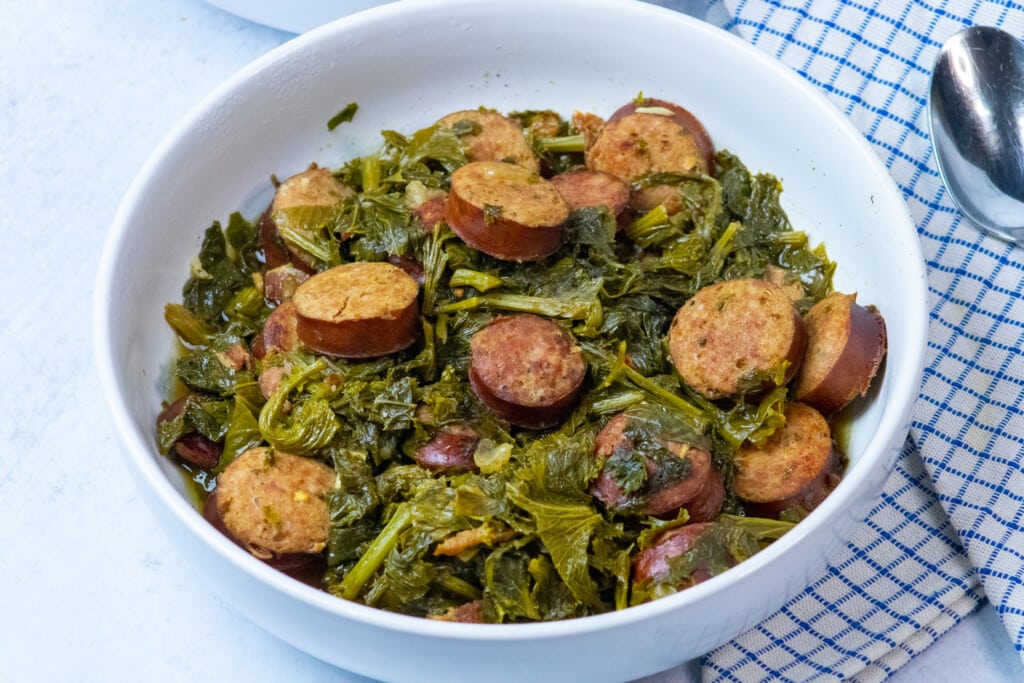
<point x="946" y="531"/>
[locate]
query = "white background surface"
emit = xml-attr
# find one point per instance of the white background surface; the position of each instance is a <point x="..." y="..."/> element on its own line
<point x="90" y="588"/>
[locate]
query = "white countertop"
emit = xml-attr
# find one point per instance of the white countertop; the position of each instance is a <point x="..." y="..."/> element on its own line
<point x="90" y="587"/>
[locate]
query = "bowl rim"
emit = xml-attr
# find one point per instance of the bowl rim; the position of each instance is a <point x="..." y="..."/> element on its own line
<point x="141" y="451"/>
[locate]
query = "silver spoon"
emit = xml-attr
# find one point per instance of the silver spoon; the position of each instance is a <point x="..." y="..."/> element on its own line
<point x="976" y="112"/>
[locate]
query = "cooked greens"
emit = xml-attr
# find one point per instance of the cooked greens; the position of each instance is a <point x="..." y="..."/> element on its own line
<point x="522" y="534"/>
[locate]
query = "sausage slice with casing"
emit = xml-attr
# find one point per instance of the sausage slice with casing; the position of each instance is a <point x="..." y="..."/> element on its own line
<point x="526" y="369"/>
<point x="505" y="211"/>
<point x="490" y="136"/>
<point x="358" y="310"/>
<point x="279" y="332"/>
<point x="280" y="283"/>
<point x="652" y="563"/>
<point x="653" y="136"/>
<point x="583" y="188"/>
<point x="675" y="475"/>
<point x="298" y="201"/>
<point x="272" y="503"/>
<point x="737" y="337"/>
<point x="690" y="123"/>
<point x="796" y="467"/>
<point x="450" y="450"/>
<point x="845" y="346"/>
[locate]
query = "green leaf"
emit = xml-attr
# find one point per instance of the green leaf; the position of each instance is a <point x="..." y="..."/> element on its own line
<point x="188" y="326"/>
<point x="204" y="370"/>
<point x="436" y="143"/>
<point x="507" y="592"/>
<point x="243" y="433"/>
<point x="211" y="287"/>
<point x="343" y="116"/>
<point x="310" y="229"/>
<point x="308" y="427"/>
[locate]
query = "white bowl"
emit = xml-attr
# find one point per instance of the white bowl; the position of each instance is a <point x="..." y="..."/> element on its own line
<point x="296" y="16"/>
<point x="407" y="64"/>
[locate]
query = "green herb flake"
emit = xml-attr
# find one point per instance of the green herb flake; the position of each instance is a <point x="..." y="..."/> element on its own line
<point x="343" y="116"/>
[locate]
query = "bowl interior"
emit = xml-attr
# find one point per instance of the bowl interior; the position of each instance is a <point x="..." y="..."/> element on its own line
<point x="408" y="64"/>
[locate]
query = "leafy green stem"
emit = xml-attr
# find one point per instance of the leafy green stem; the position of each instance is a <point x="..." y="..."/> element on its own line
<point x="373" y="558"/>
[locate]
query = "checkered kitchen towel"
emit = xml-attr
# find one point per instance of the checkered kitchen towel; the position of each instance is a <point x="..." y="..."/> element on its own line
<point x="946" y="531"/>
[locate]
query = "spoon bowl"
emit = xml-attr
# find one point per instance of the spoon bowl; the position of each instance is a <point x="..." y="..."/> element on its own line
<point x="976" y="113"/>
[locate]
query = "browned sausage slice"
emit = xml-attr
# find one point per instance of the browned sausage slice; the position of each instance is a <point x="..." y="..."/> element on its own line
<point x="845" y="346"/>
<point x="585" y="188"/>
<point x="193" y="448"/>
<point x="680" y="115"/>
<point x="425" y="203"/>
<point x="589" y="125"/>
<point x="795" y="468"/>
<point x="700" y="490"/>
<point x="656" y="137"/>
<point x="505" y="211"/>
<point x="789" y="283"/>
<point x="279" y="332"/>
<point x="316" y="188"/>
<point x="358" y="310"/>
<point x="275" y="253"/>
<point x="451" y="450"/>
<point x="198" y="450"/>
<point x="493" y="138"/>
<point x="468" y="613"/>
<point x="430" y="212"/>
<point x="280" y="283"/>
<point x="272" y="503"/>
<point x="526" y="369"/>
<point x="288" y="563"/>
<point x="731" y="338"/>
<point x="652" y="563"/>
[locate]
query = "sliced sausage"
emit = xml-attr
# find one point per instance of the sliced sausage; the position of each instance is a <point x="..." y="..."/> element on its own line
<point x="653" y="138"/>
<point x="789" y="283"/>
<point x="693" y="483"/>
<point x="358" y="310"/>
<point x="280" y="283"/>
<point x="272" y="503"/>
<point x="410" y="266"/>
<point x="275" y="253"/>
<point x="236" y="357"/>
<point x="430" y="212"/>
<point x="493" y="137"/>
<point x="505" y="211"/>
<point x="451" y="450"/>
<point x="589" y="125"/>
<point x="311" y="189"/>
<point x="286" y="562"/>
<point x="526" y="369"/>
<point x="732" y="338"/>
<point x="271" y="378"/>
<point x="198" y="450"/>
<point x="468" y="613"/>
<point x="193" y="447"/>
<point x="652" y="563"/>
<point x="280" y="332"/>
<point x="796" y="467"/>
<point x="585" y="188"/>
<point x="683" y="117"/>
<point x="845" y="346"/>
<point x="425" y="203"/>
